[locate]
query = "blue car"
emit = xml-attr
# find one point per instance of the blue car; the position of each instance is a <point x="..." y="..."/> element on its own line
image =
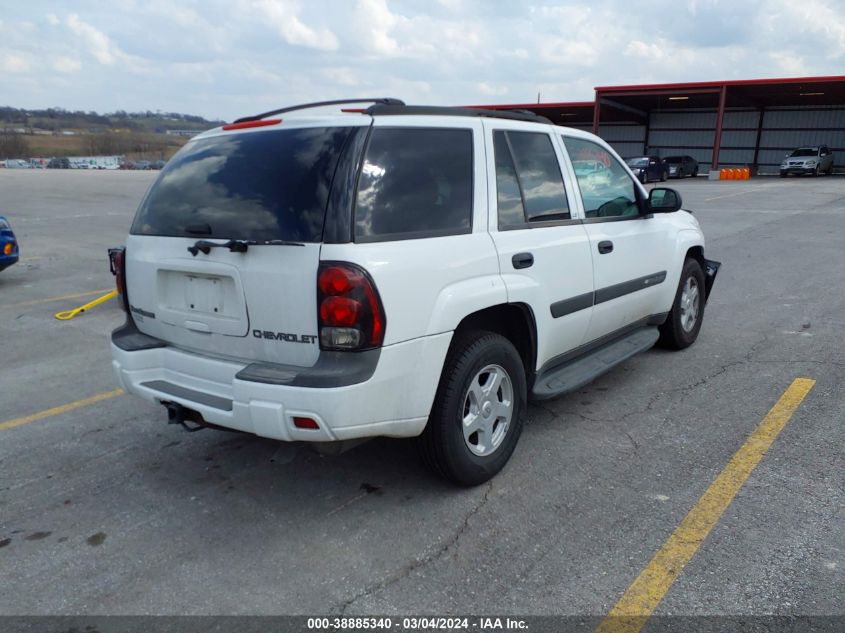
<point x="8" y="244"/>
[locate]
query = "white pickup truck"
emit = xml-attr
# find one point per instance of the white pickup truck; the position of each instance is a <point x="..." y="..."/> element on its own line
<point x="397" y="271"/>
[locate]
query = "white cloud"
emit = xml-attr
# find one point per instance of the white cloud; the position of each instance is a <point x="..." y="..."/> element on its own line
<point x="98" y="43"/>
<point x="375" y="22"/>
<point x="491" y="90"/>
<point x="224" y="58"/>
<point x="13" y="63"/>
<point x="284" y="17"/>
<point x="67" y="65"/>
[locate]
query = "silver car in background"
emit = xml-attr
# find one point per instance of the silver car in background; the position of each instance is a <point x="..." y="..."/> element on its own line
<point x="808" y="160"/>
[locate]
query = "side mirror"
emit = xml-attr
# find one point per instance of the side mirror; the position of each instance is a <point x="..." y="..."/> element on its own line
<point x="663" y="200"/>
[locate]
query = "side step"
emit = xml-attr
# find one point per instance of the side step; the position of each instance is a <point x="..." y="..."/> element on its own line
<point x="583" y="369"/>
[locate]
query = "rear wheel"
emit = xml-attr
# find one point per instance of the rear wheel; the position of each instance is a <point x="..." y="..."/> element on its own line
<point x="695" y="172"/>
<point x="476" y="418"/>
<point x="684" y="322"/>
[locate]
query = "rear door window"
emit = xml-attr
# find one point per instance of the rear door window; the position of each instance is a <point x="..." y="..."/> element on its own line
<point x="268" y="185"/>
<point x="539" y="176"/>
<point x="414" y="183"/>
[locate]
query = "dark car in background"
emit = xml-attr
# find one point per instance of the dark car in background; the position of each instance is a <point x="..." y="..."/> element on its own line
<point x="648" y="168"/>
<point x="812" y="160"/>
<point x="680" y="166"/>
<point x="9" y="251"/>
<point x="58" y="163"/>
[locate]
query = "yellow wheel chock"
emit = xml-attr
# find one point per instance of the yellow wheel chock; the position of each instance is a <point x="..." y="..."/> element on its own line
<point x="69" y="314"/>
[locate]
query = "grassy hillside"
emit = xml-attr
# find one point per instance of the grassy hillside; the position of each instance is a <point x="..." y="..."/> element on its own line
<point x="136" y="135"/>
<point x="56" y="119"/>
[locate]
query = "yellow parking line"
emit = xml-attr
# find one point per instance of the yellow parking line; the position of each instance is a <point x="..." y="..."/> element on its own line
<point x="59" y="298"/>
<point x="642" y="597"/>
<point x="64" y="408"/>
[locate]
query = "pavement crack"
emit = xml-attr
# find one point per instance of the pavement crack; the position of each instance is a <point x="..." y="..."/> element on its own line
<point x="422" y="561"/>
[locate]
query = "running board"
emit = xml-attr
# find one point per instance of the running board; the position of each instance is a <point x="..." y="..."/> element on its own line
<point x="585" y="368"/>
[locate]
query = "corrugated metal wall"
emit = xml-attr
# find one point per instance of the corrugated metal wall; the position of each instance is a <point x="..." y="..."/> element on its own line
<point x="626" y="138"/>
<point x="785" y="129"/>
<point x="692" y="132"/>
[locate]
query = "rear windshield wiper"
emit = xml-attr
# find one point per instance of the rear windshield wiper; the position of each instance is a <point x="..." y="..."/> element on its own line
<point x="236" y="246"/>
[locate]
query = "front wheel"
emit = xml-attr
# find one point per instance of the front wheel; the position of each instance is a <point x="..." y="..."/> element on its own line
<point x="662" y="176"/>
<point x="476" y="418"/>
<point x="684" y="321"/>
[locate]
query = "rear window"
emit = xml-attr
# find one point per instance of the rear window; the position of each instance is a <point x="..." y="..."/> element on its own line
<point x="271" y="185"/>
<point x="415" y="182"/>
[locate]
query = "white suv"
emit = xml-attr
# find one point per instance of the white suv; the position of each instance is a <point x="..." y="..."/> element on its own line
<point x="399" y="271"/>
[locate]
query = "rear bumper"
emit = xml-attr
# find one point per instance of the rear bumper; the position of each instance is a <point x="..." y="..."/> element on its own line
<point x="394" y="401"/>
<point x="8" y="260"/>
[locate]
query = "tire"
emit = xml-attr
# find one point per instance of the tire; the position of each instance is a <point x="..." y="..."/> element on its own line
<point x="477" y="362"/>
<point x="695" y="173"/>
<point x="783" y="175"/>
<point x="683" y="324"/>
<point x="643" y="178"/>
<point x="816" y="171"/>
<point x="663" y="176"/>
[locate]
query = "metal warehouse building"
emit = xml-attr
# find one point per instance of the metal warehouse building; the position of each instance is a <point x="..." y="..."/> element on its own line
<point x="750" y="123"/>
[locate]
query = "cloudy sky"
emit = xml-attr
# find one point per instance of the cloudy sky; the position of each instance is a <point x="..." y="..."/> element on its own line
<point x="223" y="59"/>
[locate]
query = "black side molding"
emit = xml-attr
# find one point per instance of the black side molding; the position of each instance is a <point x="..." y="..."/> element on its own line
<point x="586" y="300"/>
<point x="627" y="287"/>
<point x="568" y="306"/>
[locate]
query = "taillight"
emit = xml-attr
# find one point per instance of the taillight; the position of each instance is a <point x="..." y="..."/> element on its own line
<point x="351" y="316"/>
<point x="117" y="261"/>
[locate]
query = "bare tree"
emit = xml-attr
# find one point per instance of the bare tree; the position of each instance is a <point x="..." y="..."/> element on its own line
<point x="13" y="145"/>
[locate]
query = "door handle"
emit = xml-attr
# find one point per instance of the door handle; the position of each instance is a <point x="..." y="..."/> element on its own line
<point x="522" y="260"/>
<point x="605" y="247"/>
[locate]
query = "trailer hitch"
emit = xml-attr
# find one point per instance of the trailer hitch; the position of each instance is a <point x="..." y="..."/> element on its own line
<point x="177" y="414"/>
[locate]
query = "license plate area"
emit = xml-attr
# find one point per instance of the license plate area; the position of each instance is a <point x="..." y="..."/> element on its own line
<point x="204" y="295"/>
<point x="202" y="302"/>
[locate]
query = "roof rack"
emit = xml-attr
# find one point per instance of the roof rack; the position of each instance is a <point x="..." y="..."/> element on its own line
<point x="388" y="109"/>
<point x="388" y="101"/>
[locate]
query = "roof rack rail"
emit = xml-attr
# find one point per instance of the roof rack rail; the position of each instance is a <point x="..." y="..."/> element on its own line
<point x="390" y="101"/>
<point x="398" y="109"/>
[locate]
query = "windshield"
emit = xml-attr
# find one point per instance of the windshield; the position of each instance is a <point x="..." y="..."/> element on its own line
<point x="271" y="185"/>
<point x="805" y="151"/>
<point x="637" y="162"/>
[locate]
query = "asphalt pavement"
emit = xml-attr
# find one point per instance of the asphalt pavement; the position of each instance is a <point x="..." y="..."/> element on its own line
<point x="105" y="509"/>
